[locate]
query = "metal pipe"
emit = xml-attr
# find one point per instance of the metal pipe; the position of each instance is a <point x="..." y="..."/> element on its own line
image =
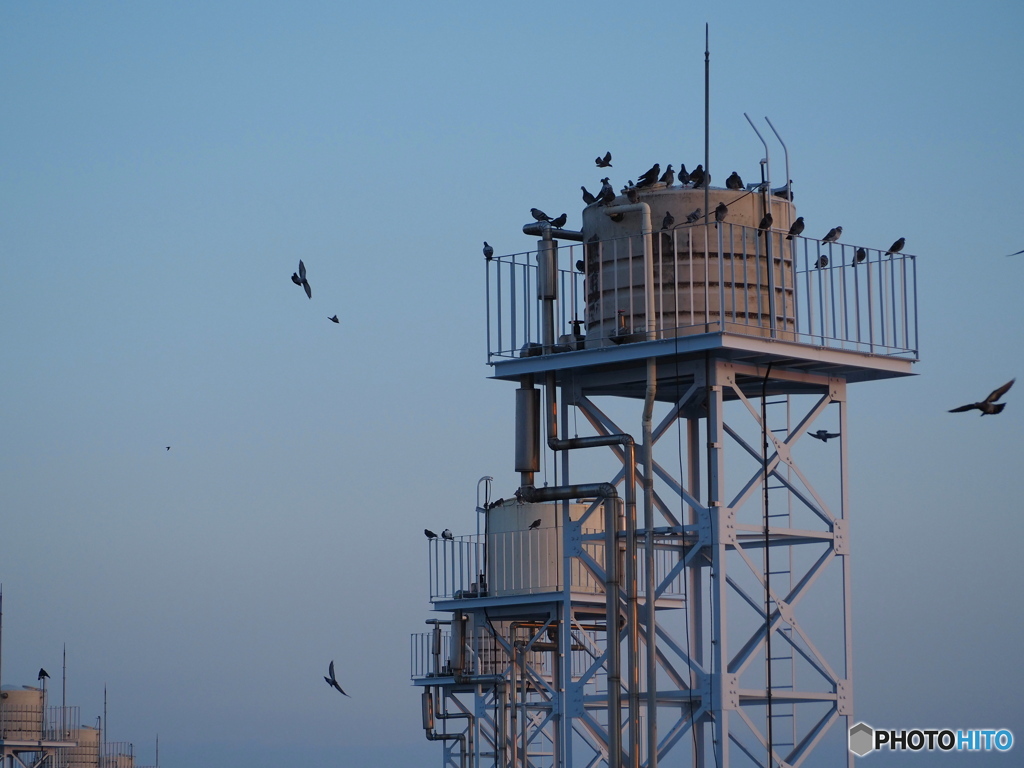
<point x="433" y="735"/>
<point x="650" y="587"/>
<point x="646" y="231"/>
<point x="785" y="151"/>
<point x="537" y="229"/>
<point x="611" y="597"/>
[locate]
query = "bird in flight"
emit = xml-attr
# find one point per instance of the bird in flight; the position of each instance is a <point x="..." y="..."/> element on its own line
<point x="1018" y="253"/>
<point x="796" y="229"/>
<point x="334" y="319"/>
<point x="299" y="278"/>
<point x="604" y="162"/>
<point x="734" y="181"/>
<point x="429" y="533"/>
<point x="447" y="535"/>
<point x="332" y="680"/>
<point x="488" y="251"/>
<point x="168" y="447"/>
<point x="535" y="524"/>
<point x="559" y="222"/>
<point x="823" y="434"/>
<point x="989" y="404"/>
<point x="833" y="235"/>
<point x="896" y="247"/>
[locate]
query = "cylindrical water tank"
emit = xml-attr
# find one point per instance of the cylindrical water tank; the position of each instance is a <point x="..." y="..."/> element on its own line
<point x="21" y="714"/>
<point x="524" y="548"/>
<point x="87" y="753"/>
<point x="694" y="291"/>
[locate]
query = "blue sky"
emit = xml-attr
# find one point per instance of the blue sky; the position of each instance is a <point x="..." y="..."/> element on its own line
<point x="165" y="166"/>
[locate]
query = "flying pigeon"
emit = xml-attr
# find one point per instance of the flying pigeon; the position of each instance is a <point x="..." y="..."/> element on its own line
<point x="989" y="404"/>
<point x="692" y="217"/>
<point x="821" y="262"/>
<point x="581" y="266"/>
<point x="299" y="278"/>
<point x="588" y="198"/>
<point x="859" y="256"/>
<point x="650" y="176"/>
<point x="734" y="181"/>
<point x="796" y="229"/>
<point x="539" y="215"/>
<point x="604" y="162"/>
<point x="698" y="177"/>
<point x="896" y="247"/>
<point x="766" y="223"/>
<point x="668" y="176"/>
<point x="1018" y="253"/>
<point x="559" y="222"/>
<point x="334" y="319"/>
<point x="833" y="235"/>
<point x="488" y="251"/>
<point x="332" y="680"/>
<point x="721" y="212"/>
<point x="535" y="524"/>
<point x="668" y="221"/>
<point x="168" y="447"/>
<point x="42" y="673"/>
<point x="429" y="533"/>
<point x="823" y="435"/>
<point x="447" y="535"/>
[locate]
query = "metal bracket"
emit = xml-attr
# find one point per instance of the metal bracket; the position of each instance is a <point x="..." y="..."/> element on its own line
<point x="840" y="537"/>
<point x="574" y="538"/>
<point x="844" y="697"/>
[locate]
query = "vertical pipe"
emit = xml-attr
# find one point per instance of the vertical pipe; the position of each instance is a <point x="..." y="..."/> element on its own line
<point x="611" y="592"/>
<point x="650" y="586"/>
<point x="695" y="606"/>
<point x="719" y="712"/>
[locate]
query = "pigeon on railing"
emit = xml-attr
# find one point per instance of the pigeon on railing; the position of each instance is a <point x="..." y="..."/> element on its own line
<point x="859" y="256"/>
<point x="559" y="222"/>
<point x="833" y="235"/>
<point x="429" y="533"/>
<point x="796" y="229"/>
<point x="896" y="247"/>
<point x="988" y="405"/>
<point x="447" y="535"/>
<point x="694" y="215"/>
<point x="766" y="223"/>
<point x="720" y="213"/>
<point x="488" y="251"/>
<point x="668" y="221"/>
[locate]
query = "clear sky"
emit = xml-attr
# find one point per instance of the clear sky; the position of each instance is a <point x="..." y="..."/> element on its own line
<point x="164" y="167"/>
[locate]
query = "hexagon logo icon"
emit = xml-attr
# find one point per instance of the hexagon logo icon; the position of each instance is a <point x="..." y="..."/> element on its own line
<point x="862" y="738"/>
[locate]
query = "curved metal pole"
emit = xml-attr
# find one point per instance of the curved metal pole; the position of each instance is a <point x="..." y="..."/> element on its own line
<point x="785" y="150"/>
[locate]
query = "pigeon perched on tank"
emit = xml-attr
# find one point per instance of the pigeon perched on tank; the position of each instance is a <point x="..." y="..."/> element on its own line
<point x="988" y="405"/>
<point x="896" y="247"/>
<point x="668" y="176"/>
<point x="796" y="229"/>
<point x="559" y="222"/>
<point x="698" y="177"/>
<point x="682" y="175"/>
<point x="786" y="192"/>
<point x="651" y="176"/>
<point x="604" y="162"/>
<point x="539" y="215"/>
<point x="734" y="181"/>
<point x="535" y="524"/>
<point x="588" y="198"/>
<point x="630" y="192"/>
<point x="488" y="251"/>
<point x="766" y="223"/>
<point x="823" y="434"/>
<point x="833" y="235"/>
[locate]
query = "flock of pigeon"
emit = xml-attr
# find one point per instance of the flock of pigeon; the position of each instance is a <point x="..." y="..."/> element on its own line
<point x="299" y="278"/>
<point x="447" y="535"/>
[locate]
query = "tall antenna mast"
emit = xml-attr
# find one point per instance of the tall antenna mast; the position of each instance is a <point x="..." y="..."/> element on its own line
<point x="64" y="680"/>
<point x="707" y="122"/>
<point x="1" y="634"/>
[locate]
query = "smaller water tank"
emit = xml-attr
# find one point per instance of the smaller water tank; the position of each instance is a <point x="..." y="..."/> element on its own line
<point x="21" y="714"/>
<point x="87" y="753"/>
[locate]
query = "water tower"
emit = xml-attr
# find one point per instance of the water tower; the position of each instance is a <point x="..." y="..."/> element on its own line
<point x="688" y="600"/>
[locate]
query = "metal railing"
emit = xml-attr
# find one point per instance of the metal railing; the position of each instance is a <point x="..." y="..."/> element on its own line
<point x="528" y="562"/>
<point x="118" y="754"/>
<point x="707" y="280"/>
<point x="33" y="722"/>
